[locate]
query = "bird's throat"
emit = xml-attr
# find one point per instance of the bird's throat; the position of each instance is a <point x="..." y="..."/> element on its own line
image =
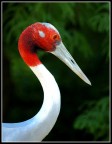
<point x="27" y="48"/>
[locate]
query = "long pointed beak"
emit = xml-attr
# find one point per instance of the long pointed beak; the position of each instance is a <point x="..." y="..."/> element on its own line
<point x="62" y="53"/>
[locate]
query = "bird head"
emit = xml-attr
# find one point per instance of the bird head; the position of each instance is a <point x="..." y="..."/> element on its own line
<point x="46" y="37"/>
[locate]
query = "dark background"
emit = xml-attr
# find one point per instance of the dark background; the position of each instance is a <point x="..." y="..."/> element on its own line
<point x="84" y="28"/>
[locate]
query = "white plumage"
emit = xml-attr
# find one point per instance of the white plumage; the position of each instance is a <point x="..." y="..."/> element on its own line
<point x="36" y="128"/>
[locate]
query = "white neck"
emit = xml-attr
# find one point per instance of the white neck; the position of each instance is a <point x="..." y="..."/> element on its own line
<point x="38" y="127"/>
<point x="51" y="104"/>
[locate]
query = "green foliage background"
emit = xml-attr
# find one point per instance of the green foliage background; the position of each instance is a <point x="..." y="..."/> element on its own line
<point x="84" y="28"/>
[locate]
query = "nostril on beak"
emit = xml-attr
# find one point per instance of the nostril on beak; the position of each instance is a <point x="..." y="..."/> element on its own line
<point x="72" y="61"/>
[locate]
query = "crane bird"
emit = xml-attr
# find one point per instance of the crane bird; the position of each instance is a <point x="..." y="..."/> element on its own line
<point x="46" y="37"/>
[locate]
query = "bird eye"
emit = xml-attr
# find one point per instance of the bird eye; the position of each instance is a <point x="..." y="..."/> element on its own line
<point x="55" y="37"/>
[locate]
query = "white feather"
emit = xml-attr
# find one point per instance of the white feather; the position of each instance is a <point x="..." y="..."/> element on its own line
<point x="38" y="127"/>
<point x="48" y="25"/>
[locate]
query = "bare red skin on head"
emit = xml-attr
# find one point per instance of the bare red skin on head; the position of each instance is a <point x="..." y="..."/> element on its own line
<point x="30" y="41"/>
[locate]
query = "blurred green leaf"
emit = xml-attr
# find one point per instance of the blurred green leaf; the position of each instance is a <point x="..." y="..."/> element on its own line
<point x="95" y="119"/>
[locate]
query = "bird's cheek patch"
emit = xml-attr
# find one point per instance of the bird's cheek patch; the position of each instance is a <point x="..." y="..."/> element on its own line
<point x="41" y="34"/>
